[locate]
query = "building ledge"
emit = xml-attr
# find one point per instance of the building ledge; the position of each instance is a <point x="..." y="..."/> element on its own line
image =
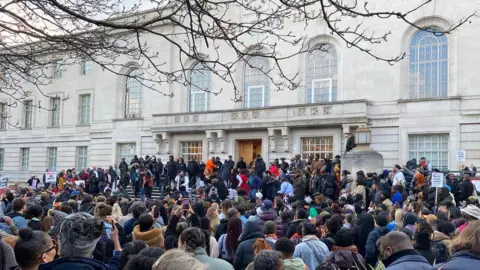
<point x="127" y="119"/>
<point x="267" y="108"/>
<point x="428" y="99"/>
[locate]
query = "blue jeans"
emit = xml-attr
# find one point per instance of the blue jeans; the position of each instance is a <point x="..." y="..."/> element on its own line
<point x="251" y="194"/>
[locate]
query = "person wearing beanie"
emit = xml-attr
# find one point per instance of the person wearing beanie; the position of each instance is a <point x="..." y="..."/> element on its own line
<point x="144" y="231"/>
<point x="287" y="248"/>
<point x="78" y="237"/>
<point x="58" y="218"/>
<point x="268" y="213"/>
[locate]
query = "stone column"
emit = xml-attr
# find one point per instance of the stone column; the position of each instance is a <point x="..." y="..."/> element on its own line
<point x="166" y="141"/>
<point x="285" y="133"/>
<point x="156" y="139"/>
<point x="221" y="137"/>
<point x="271" y="140"/>
<point x="210" y="141"/>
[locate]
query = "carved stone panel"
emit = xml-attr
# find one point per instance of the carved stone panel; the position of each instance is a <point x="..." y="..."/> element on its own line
<point x="314" y="111"/>
<point x="245" y="115"/>
<point x="327" y="110"/>
<point x="186" y="118"/>
<point x="176" y="119"/>
<point x="195" y="118"/>
<point x="234" y="116"/>
<point x="301" y="111"/>
<point x="255" y="114"/>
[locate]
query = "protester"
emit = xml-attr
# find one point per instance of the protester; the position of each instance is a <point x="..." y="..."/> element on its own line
<point x="465" y="249"/>
<point x="130" y="249"/>
<point x="371" y="251"/>
<point x="33" y="248"/>
<point x="287" y="248"/>
<point x="397" y="253"/>
<point x="145" y="259"/>
<point x="192" y="240"/>
<point x="312" y="251"/>
<point x="79" y="234"/>
<point x="360" y="232"/>
<point x="269" y="260"/>
<point x="244" y="254"/>
<point x="145" y="232"/>
<point x="176" y="259"/>
<point x="228" y="242"/>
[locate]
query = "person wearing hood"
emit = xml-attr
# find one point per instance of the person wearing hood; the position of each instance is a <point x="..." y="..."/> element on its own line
<point x="371" y="251"/>
<point x="287" y="248"/>
<point x="79" y="234"/>
<point x="181" y="183"/>
<point x="397" y="253"/>
<point x="144" y="231"/>
<point x="269" y="214"/>
<point x="244" y="254"/>
<point x="312" y="251"/>
<point x="344" y="254"/>
<point x="254" y="184"/>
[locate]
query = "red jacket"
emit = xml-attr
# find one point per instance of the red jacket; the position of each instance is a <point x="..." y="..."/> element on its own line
<point x="244" y="183"/>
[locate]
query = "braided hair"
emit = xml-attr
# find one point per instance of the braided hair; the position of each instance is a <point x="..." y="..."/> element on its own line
<point x="192" y="238"/>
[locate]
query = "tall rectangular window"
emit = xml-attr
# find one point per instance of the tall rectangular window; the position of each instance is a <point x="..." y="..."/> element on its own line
<point x="434" y="147"/>
<point x="86" y="66"/>
<point x="55" y="116"/>
<point x="127" y="151"/>
<point x="317" y="145"/>
<point x="28" y="114"/>
<point x="3" y="116"/>
<point x="84" y="109"/>
<point x="57" y="68"/>
<point x="192" y="149"/>
<point x="81" y="157"/>
<point x="52" y="158"/>
<point x="25" y="158"/>
<point x="2" y="157"/>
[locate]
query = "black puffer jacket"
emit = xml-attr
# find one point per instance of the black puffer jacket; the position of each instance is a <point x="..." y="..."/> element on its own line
<point x="329" y="186"/>
<point x="244" y="254"/>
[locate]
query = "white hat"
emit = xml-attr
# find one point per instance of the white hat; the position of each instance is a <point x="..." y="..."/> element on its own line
<point x="259" y="195"/>
<point x="471" y="210"/>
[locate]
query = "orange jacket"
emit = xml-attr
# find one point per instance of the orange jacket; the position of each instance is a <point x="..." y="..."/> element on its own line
<point x="209" y="166"/>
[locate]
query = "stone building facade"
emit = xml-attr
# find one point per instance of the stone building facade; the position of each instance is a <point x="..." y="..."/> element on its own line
<point x="426" y="105"/>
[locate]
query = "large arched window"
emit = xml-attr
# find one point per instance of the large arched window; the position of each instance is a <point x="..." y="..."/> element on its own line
<point x="321" y="80"/>
<point x="428" y="65"/>
<point x="200" y="78"/>
<point x="255" y="82"/>
<point x="133" y="94"/>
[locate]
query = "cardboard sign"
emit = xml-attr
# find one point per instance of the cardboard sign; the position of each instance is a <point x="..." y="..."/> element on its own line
<point x="437" y="180"/>
<point x="476" y="182"/>
<point x="461" y="155"/>
<point x="51" y="177"/>
<point x="3" y="184"/>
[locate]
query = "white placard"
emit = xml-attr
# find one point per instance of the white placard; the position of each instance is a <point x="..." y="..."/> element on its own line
<point x="79" y="182"/>
<point x="437" y="180"/>
<point x="476" y="183"/>
<point x="51" y="177"/>
<point x="461" y="155"/>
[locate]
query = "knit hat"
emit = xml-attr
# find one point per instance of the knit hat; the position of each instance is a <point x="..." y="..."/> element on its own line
<point x="79" y="234"/>
<point x="471" y="210"/>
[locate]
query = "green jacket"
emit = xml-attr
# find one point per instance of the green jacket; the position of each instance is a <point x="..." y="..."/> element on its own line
<point x="293" y="264"/>
<point x="212" y="263"/>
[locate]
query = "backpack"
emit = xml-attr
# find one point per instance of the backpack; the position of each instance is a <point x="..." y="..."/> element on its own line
<point x="213" y="191"/>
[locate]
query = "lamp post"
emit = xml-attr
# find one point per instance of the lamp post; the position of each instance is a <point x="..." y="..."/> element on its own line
<point x="363" y="139"/>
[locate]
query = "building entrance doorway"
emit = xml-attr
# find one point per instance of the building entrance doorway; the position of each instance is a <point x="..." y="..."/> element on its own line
<point x="249" y="149"/>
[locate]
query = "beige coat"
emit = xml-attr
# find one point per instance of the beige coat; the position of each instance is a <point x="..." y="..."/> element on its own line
<point x="360" y="189"/>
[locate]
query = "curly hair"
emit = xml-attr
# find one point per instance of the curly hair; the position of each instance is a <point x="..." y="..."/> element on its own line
<point x="129" y="249"/>
<point x="103" y="210"/>
<point x="268" y="260"/>
<point x="192" y="238"/>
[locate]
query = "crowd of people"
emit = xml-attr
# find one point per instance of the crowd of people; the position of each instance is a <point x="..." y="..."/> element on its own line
<point x="294" y="215"/>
